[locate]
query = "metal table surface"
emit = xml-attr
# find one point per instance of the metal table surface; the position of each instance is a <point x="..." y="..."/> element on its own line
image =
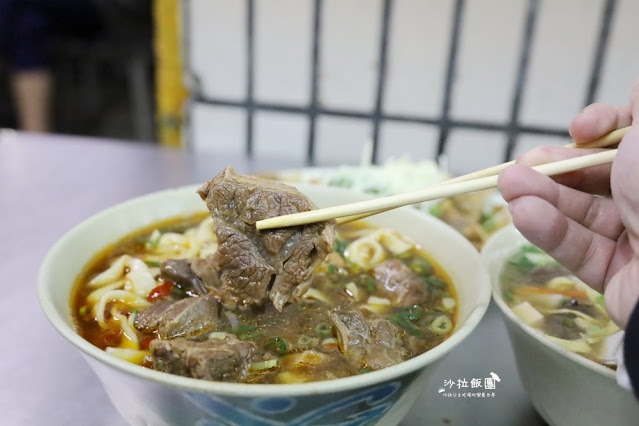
<point x="48" y="184"/>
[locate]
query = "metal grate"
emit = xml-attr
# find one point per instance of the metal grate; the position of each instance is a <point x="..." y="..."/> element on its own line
<point x="512" y="129"/>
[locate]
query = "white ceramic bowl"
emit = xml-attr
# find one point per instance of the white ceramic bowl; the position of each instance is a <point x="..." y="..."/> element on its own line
<point x="144" y="396"/>
<point x="565" y="388"/>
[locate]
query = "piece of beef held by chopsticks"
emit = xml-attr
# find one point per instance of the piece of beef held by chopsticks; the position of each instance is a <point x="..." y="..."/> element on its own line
<point x="255" y="266"/>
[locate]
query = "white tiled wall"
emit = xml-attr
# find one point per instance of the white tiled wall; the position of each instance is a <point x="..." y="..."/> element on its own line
<point x="216" y="48"/>
<point x="218" y="129"/>
<point x="416" y="140"/>
<point x="349" y="54"/>
<point x="283" y="37"/>
<point x="560" y="63"/>
<point x="417" y="56"/>
<point x="488" y="55"/>
<point x="341" y="140"/>
<point x="470" y="150"/>
<point x="561" y="60"/>
<point x="280" y="135"/>
<point x="621" y="67"/>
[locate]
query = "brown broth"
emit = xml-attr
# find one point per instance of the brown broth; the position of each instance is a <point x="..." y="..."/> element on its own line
<point x="301" y="326"/>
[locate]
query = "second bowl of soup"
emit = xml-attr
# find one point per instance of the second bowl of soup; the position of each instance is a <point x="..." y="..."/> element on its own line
<point x="565" y="344"/>
<point x="406" y="285"/>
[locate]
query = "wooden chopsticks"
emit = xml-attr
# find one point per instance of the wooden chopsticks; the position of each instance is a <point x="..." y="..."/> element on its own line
<point x="607" y="140"/>
<point x="476" y="181"/>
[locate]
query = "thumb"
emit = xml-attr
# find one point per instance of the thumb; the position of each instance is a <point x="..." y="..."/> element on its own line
<point x="624" y="180"/>
<point x="622" y="293"/>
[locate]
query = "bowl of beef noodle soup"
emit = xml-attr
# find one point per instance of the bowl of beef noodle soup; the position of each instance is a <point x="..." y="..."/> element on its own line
<point x="188" y="314"/>
<point x="566" y="346"/>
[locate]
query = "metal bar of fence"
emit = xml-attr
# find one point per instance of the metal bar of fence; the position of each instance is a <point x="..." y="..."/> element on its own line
<point x="381" y="76"/>
<point x="312" y="111"/>
<point x="464" y="124"/>
<point x="600" y="50"/>
<point x="513" y="128"/>
<point x="250" y="74"/>
<point x="522" y="72"/>
<point x="450" y="76"/>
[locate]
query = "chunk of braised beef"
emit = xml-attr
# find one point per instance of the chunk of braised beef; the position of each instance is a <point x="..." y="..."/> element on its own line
<point x="148" y="319"/>
<point x="562" y="326"/>
<point x="205" y="270"/>
<point x="258" y="265"/>
<point x="399" y="283"/>
<point x="179" y="271"/>
<point x="367" y="340"/>
<point x="226" y="360"/>
<point x="182" y="318"/>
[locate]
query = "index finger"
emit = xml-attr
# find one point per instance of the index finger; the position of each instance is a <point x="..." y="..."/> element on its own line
<point x="598" y="119"/>
<point x="594" y="180"/>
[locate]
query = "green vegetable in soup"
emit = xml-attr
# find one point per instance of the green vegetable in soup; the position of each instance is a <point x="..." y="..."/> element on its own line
<point x="324" y="329"/>
<point x="405" y="324"/>
<point x="437" y="210"/>
<point x="277" y="345"/>
<point x="441" y="325"/>
<point x="549" y="298"/>
<point x="340" y="246"/>
<point x="421" y="266"/>
<point x="247" y="332"/>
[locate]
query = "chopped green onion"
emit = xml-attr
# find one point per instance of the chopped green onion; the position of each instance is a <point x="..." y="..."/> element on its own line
<point x="488" y="221"/>
<point x="441" y="325"/>
<point x="528" y="257"/>
<point x="218" y="335"/>
<point x="508" y="296"/>
<point x="369" y="283"/>
<point x="412" y="313"/>
<point x="332" y="269"/>
<point x="276" y="344"/>
<point x="341" y="181"/>
<point x="436" y="282"/>
<point x="437" y="210"/>
<point x="330" y="343"/>
<point x="304" y="341"/>
<point x="449" y="303"/>
<point x="421" y="266"/>
<point x="247" y="332"/>
<point x="263" y="365"/>
<point x="363" y="371"/>
<point x="153" y="263"/>
<point x="154" y="240"/>
<point x="324" y="329"/>
<point x="403" y="323"/>
<point x="340" y="246"/>
<point x="178" y="292"/>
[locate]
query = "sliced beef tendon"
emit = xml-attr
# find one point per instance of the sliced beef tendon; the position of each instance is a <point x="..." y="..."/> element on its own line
<point x="399" y="283"/>
<point x="226" y="359"/>
<point x="258" y="265"/>
<point x="182" y="318"/>
<point x="194" y="276"/>
<point x="367" y="340"/>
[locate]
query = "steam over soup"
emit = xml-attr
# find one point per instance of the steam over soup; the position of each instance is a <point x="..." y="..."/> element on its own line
<point x="152" y="299"/>
<point x="546" y="296"/>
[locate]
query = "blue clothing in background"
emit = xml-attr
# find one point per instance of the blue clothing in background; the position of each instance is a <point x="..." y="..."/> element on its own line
<point x="27" y="26"/>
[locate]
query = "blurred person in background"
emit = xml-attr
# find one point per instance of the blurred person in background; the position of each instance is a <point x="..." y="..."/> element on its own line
<point x="26" y="30"/>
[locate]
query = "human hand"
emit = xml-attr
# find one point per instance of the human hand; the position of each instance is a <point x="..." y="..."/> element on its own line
<point x="596" y="237"/>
